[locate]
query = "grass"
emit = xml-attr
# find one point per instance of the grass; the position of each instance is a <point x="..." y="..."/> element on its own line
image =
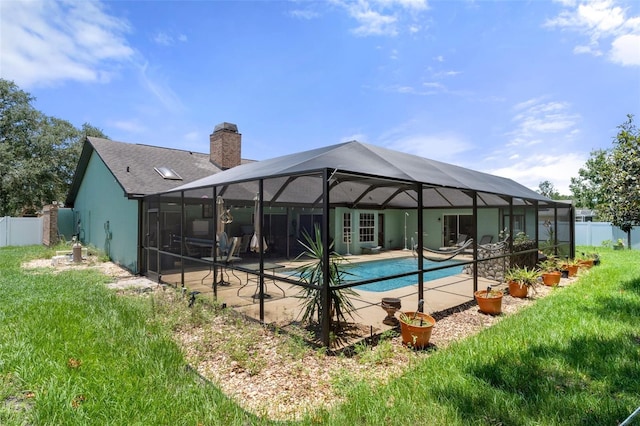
<point x="572" y="359"/>
<point x="73" y="353"/>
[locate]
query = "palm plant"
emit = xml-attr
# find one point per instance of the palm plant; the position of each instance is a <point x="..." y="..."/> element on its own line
<point x="312" y="273"/>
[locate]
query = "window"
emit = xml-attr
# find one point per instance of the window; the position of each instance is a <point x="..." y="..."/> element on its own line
<point x="518" y="222"/>
<point x="367" y="227"/>
<point x="346" y="228"/>
<point x="167" y="173"/>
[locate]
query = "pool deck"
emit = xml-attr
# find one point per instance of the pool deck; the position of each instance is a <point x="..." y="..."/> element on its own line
<point x="283" y="307"/>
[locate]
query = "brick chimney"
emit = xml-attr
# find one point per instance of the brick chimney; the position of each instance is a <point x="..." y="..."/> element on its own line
<point x="225" y="145"/>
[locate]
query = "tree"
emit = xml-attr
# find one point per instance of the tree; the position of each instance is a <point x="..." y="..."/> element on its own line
<point x="610" y="180"/>
<point x="38" y="154"/>
<point x="623" y="180"/>
<point x="547" y="189"/>
<point x="587" y="189"/>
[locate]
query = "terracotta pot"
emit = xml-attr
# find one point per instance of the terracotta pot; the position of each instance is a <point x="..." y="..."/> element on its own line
<point x="586" y="263"/>
<point x="415" y="335"/>
<point x="551" y="278"/>
<point x="573" y="269"/>
<point x="517" y="290"/>
<point x="489" y="305"/>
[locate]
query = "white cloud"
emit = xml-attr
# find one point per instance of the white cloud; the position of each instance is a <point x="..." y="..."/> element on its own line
<point x="165" y="39"/>
<point x="542" y="130"/>
<point x="535" y="116"/>
<point x="625" y="50"/>
<point x="130" y="126"/>
<point x="593" y="50"/>
<point x="444" y="146"/>
<point x="384" y="17"/>
<point x="45" y="42"/>
<point x="193" y="136"/>
<point x="530" y="170"/>
<point x="602" y="22"/>
<point x="304" y="14"/>
<point x="160" y="90"/>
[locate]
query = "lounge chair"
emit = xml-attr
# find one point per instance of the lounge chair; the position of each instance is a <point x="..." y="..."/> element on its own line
<point x="462" y="239"/>
<point x="485" y="240"/>
<point x="371" y="250"/>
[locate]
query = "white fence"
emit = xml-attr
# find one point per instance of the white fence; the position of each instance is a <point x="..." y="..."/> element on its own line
<point x="597" y="233"/>
<point x="23" y="231"/>
<point x="20" y="231"/>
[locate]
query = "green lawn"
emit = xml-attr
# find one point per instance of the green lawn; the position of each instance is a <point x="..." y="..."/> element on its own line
<point x="72" y="352"/>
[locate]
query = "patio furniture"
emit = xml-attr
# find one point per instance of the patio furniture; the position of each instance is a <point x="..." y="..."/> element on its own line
<point x="255" y="267"/>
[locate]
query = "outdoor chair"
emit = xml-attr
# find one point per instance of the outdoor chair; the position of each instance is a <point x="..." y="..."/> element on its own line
<point x="462" y="239"/>
<point x="371" y="250"/>
<point x="486" y="239"/>
<point x="191" y="250"/>
<point x="232" y="256"/>
<point x="223" y="244"/>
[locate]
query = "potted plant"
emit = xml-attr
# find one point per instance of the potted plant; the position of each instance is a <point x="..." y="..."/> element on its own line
<point x="586" y="261"/>
<point x="520" y="280"/>
<point x="489" y="301"/>
<point x="311" y="273"/>
<point x="571" y="265"/>
<point x="416" y="327"/>
<point x="550" y="271"/>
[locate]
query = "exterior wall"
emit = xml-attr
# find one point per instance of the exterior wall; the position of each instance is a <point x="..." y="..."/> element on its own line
<point x="394" y="232"/>
<point x="105" y="218"/>
<point x="65" y="223"/>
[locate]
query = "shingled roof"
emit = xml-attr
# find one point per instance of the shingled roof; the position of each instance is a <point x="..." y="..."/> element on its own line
<point x="133" y="166"/>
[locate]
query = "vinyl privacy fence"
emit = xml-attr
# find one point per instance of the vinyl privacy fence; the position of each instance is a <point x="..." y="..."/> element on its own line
<point x="603" y="233"/>
<point x="20" y="231"/>
<point x="23" y="231"/>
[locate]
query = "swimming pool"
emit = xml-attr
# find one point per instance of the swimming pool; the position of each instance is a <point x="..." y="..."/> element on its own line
<point x="382" y="268"/>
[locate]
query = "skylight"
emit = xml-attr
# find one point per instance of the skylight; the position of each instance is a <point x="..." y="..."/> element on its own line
<point x="167" y="173"/>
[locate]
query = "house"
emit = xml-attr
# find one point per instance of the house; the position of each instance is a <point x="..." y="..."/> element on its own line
<point x="112" y="178"/>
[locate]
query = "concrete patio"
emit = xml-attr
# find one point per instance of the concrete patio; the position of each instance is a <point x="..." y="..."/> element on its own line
<point x="283" y="307"/>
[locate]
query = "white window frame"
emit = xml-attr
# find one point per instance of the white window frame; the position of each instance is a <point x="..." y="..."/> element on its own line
<point x="346" y="227"/>
<point x="367" y="228"/>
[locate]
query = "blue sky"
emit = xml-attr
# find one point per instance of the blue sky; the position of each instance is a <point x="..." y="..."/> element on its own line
<point x="524" y="90"/>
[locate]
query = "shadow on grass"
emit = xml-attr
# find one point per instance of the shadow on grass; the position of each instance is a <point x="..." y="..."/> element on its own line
<point x="616" y="306"/>
<point x="568" y="381"/>
<point x="632" y="285"/>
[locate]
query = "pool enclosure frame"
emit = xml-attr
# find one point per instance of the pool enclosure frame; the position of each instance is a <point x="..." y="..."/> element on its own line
<point x="352" y="178"/>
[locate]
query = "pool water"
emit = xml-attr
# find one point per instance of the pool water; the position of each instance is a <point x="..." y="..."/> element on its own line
<point x="382" y="268"/>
